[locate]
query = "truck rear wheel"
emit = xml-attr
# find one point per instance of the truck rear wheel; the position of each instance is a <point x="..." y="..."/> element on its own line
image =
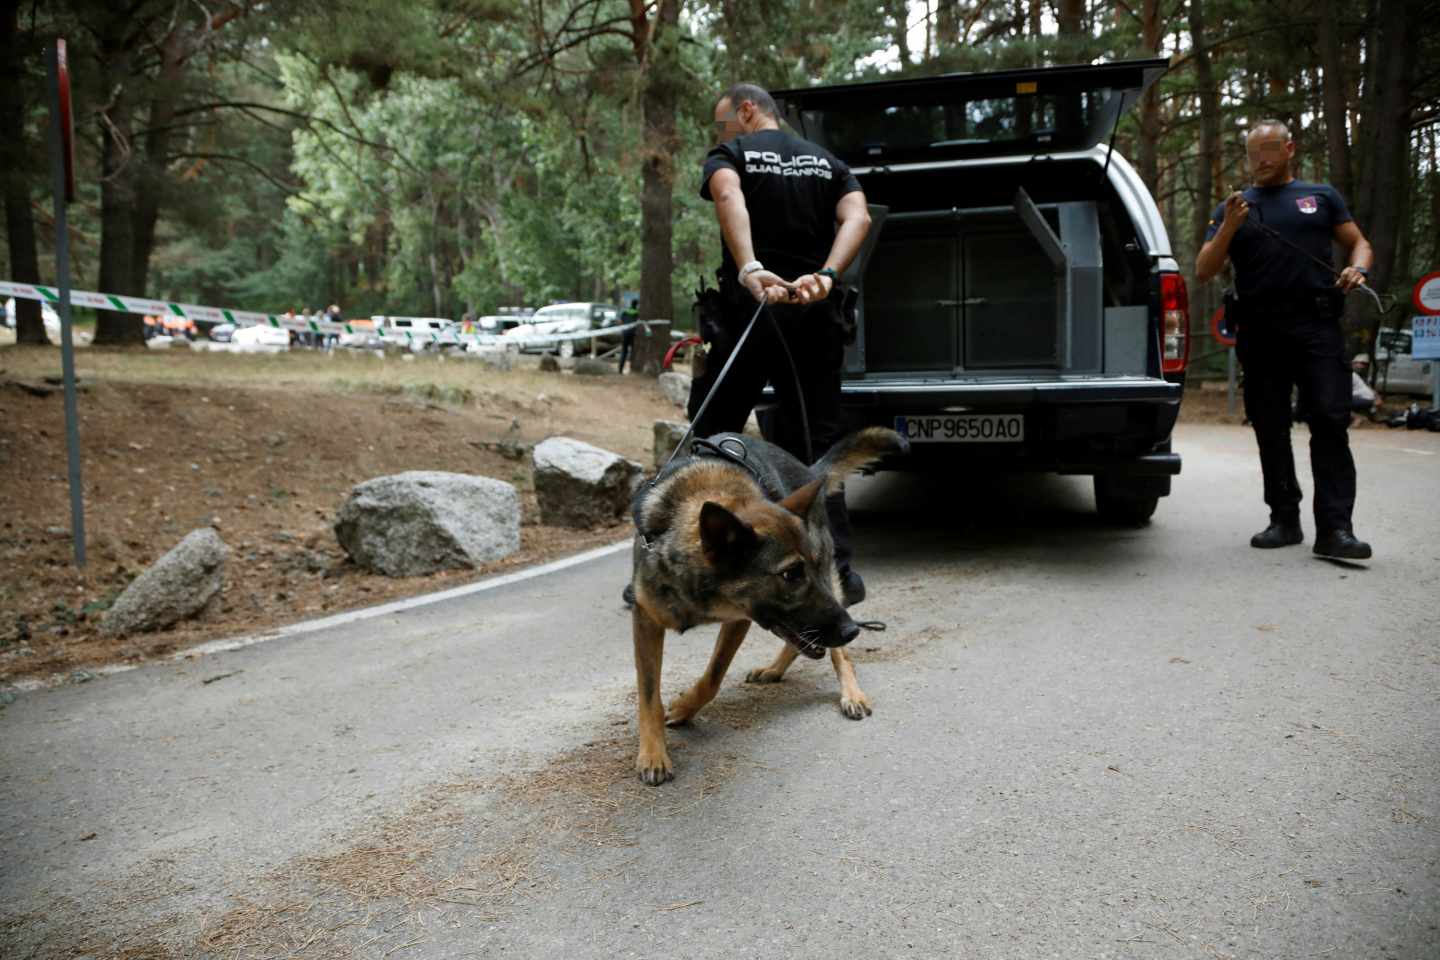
<point x="1123" y="502"/>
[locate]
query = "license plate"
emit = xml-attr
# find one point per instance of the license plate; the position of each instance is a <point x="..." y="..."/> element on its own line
<point x="963" y="428"/>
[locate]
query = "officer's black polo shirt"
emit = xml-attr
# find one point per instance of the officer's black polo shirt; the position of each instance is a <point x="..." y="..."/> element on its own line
<point x="1304" y="213"/>
<point x="791" y="187"/>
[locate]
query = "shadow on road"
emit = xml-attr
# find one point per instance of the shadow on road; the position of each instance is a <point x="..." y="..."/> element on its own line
<point x="917" y="518"/>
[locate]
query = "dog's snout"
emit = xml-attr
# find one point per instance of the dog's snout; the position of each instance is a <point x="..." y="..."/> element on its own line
<point x="849" y="630"/>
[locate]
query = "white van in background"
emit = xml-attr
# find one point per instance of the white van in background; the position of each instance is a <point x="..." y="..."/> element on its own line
<point x="416" y="333"/>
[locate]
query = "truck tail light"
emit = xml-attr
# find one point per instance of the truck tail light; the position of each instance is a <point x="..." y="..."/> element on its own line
<point x="1174" y="323"/>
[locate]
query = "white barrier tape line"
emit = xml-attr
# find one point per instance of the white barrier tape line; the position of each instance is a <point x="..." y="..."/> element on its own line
<point x="502" y="339"/>
<point x="165" y="308"/>
<point x="190" y="311"/>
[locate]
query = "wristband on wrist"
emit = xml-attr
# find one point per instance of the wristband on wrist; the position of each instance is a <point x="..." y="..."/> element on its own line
<point x="750" y="268"/>
<point x="1364" y="272"/>
<point x="828" y="272"/>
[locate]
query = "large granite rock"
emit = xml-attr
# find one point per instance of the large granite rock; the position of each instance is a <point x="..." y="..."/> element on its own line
<point x="181" y="584"/>
<point x="593" y="367"/>
<point x="422" y="521"/>
<point x="579" y="485"/>
<point x="667" y="434"/>
<point x="676" y="387"/>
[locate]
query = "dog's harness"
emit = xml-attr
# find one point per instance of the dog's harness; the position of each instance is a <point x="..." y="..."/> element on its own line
<point x="731" y="450"/>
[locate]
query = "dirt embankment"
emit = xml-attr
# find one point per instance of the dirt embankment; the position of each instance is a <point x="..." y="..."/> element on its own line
<point x="266" y="453"/>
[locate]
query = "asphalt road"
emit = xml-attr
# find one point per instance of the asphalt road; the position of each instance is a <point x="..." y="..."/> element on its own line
<point x="1087" y="742"/>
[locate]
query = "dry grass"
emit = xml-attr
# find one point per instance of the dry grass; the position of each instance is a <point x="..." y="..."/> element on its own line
<point x="303" y="369"/>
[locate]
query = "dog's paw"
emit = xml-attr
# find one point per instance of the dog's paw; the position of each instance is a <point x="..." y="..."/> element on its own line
<point x="677" y="716"/>
<point x="765" y="675"/>
<point x="654" y="769"/>
<point x="857" y="708"/>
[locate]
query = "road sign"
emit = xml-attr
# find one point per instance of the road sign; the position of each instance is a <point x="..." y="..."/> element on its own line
<point x="1427" y="294"/>
<point x="67" y="120"/>
<point x="1224" y="333"/>
<point x="1425" y="337"/>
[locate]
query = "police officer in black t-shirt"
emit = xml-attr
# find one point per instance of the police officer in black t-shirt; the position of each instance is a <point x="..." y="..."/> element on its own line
<point x="1278" y="235"/>
<point x="792" y="217"/>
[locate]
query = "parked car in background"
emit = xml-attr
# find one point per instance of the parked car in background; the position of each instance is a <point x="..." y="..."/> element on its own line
<point x="261" y="338"/>
<point x="1020" y="305"/>
<point x="558" y="318"/>
<point x="495" y="323"/>
<point x="416" y="333"/>
<point x="222" y="332"/>
<point x="1396" y="369"/>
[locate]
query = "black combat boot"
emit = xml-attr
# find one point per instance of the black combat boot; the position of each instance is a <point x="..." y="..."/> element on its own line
<point x="1280" y="533"/>
<point x="1341" y="545"/>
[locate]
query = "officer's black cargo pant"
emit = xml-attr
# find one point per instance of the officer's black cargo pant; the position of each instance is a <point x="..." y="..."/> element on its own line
<point x="1284" y="349"/>
<point x="815" y="340"/>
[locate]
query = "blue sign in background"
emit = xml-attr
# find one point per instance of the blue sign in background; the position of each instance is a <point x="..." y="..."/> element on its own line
<point x="1425" y="331"/>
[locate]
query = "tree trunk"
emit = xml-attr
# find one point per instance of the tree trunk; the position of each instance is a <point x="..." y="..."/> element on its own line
<point x="1069" y="16"/>
<point x="17" y="169"/>
<point x="947" y="24"/>
<point x="150" y="172"/>
<point x="1387" y="146"/>
<point x="1404" y="243"/>
<point x="1434" y="179"/>
<point x="899" y="13"/>
<point x="435" y="288"/>
<point x="660" y="62"/>
<point x="1333" y="99"/>
<point x="1150" y="103"/>
<point x="117" y="188"/>
<point x="1208" y="163"/>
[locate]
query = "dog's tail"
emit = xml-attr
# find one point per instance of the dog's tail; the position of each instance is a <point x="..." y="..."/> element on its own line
<point x="859" y="449"/>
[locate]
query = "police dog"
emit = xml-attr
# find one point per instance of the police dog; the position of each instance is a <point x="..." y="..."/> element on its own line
<point x="736" y="536"/>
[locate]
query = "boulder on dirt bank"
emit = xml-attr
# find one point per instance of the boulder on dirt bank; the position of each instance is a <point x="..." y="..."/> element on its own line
<point x="579" y="485"/>
<point x="667" y="434"/>
<point x="593" y="367"/>
<point x="180" y="584"/>
<point x="549" y="363"/>
<point x="676" y="387"/>
<point x="421" y="521"/>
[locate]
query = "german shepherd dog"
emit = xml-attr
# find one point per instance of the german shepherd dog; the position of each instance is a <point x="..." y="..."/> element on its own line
<point x="732" y="537"/>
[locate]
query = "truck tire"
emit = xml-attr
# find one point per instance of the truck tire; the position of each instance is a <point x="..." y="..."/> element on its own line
<point x="1121" y="503"/>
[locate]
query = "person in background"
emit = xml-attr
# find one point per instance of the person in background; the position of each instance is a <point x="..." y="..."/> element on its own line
<point x="627" y="339"/>
<point x="1278" y="236"/>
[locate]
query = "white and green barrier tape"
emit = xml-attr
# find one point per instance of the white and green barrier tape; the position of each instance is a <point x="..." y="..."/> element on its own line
<point x="384" y="326"/>
<point x="165" y="308"/>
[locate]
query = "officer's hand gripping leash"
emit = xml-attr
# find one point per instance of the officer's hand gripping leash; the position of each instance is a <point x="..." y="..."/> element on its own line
<point x="1274" y="234"/>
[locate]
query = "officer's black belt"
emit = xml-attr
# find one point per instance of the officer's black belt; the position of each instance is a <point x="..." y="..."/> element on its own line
<point x="1328" y="303"/>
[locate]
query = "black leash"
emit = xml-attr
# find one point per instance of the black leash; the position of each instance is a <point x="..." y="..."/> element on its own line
<point x="1274" y="234"/>
<point x="722" y="449"/>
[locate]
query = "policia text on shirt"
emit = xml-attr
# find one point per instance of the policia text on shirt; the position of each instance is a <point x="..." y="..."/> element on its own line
<point x="1278" y="235"/>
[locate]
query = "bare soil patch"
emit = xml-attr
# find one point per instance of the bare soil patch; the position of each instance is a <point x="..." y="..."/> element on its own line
<point x="265" y="449"/>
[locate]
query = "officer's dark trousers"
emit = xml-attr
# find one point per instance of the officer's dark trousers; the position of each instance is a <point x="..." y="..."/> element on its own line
<point x="815" y="342"/>
<point x="1287" y="349"/>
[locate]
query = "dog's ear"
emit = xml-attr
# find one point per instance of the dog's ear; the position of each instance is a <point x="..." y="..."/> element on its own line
<point x="803" y="498"/>
<point x="723" y="535"/>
